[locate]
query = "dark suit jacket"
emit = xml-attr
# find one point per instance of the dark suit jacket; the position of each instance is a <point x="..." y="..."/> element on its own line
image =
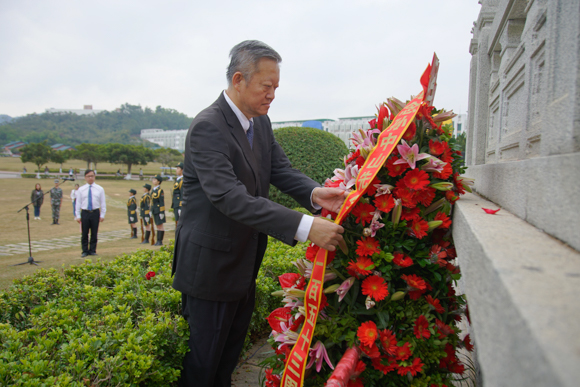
<point x="226" y="214"/>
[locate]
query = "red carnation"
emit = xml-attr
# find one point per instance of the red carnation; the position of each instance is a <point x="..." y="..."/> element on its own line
<point x="363" y="213"/>
<point x="416" y="179"/>
<point x="385" y="203"/>
<point x="367" y="333"/>
<point x="421" y="328"/>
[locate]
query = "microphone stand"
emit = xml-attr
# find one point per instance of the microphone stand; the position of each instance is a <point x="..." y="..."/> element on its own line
<point x="31" y="260"/>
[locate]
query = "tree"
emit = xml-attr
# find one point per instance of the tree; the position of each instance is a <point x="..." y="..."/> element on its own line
<point x="59" y="157"/>
<point x="168" y="156"/>
<point x="128" y="155"/>
<point x="38" y="153"/>
<point x="91" y="153"/>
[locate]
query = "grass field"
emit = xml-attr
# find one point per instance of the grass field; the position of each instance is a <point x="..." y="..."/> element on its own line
<point x="15" y="193"/>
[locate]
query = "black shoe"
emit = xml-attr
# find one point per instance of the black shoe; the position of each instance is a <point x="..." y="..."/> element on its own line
<point x="158" y="244"/>
<point x="84" y="255"/>
<point x="91" y="253"/>
<point x="134" y="237"/>
<point x="145" y="242"/>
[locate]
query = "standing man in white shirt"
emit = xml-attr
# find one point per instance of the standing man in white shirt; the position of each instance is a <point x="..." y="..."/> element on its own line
<point x="90" y="211"/>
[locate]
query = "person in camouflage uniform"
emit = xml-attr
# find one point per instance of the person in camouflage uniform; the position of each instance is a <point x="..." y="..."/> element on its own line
<point x="144" y="208"/>
<point x="55" y="201"/>
<point x="177" y="192"/>
<point x="132" y="212"/>
<point x="158" y="208"/>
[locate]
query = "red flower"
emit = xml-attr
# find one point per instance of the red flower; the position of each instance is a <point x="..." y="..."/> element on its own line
<point x="488" y="211"/>
<point x="414" y="281"/>
<point x="402" y="260"/>
<point x="404" y="352"/>
<point x="447" y="156"/>
<point x="410" y="132"/>
<point x="371" y="352"/>
<point x="367" y="246"/>
<point x="355" y="383"/>
<point x="436" y="255"/>
<point x="375" y="287"/>
<point x="149" y="275"/>
<point x="410" y="213"/>
<point x="416" y="179"/>
<point x="416" y="294"/>
<point x="395" y="169"/>
<point x="421" y="328"/>
<point x="311" y="252"/>
<point x="413" y="369"/>
<point x="272" y="380"/>
<point x="373" y="123"/>
<point x="436" y="147"/>
<point x="385" y="203"/>
<point x="353" y="156"/>
<point x="362" y="266"/>
<point x="385" y="368"/>
<point x="458" y="184"/>
<point x="444" y="329"/>
<point x="371" y="189"/>
<point x="435" y="303"/>
<point x="452" y="197"/>
<point x="367" y="333"/>
<point x="406" y="196"/>
<point x="383" y="113"/>
<point x="288" y="280"/>
<point x="419" y="228"/>
<point x="444" y="218"/>
<point x="363" y="213"/>
<point x="360" y="161"/>
<point x="467" y="343"/>
<point x="445" y="173"/>
<point x="389" y="341"/>
<point x="456" y="367"/>
<point x="360" y="368"/>
<point x="278" y="316"/>
<point x="425" y="196"/>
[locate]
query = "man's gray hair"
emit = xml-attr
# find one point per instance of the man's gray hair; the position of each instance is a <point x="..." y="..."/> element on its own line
<point x="245" y="57"/>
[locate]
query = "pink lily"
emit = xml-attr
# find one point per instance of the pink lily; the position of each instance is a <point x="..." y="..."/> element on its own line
<point x="410" y="155"/>
<point x="375" y="224"/>
<point x="286" y="336"/>
<point x="369" y="303"/>
<point x="344" y="288"/>
<point x="318" y="354"/>
<point x="395" y="105"/>
<point x="444" y="116"/>
<point x="364" y="141"/>
<point x="383" y="189"/>
<point x="433" y="165"/>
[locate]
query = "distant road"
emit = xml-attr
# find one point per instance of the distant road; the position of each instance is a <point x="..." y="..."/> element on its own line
<point x="9" y="175"/>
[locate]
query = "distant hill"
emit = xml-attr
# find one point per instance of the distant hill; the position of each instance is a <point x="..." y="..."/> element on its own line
<point x="4" y="119"/>
<point x="121" y="126"/>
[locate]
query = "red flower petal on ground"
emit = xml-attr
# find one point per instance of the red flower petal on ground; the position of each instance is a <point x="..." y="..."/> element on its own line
<point x="363" y="213"/>
<point x="389" y="341"/>
<point x="385" y="364"/>
<point x="436" y="147"/>
<point x="375" y="287"/>
<point x="385" y="203"/>
<point x="410" y="213"/>
<point x="488" y="211"/>
<point x="287" y="280"/>
<point x="435" y="303"/>
<point x="413" y="369"/>
<point x="414" y="281"/>
<point x="367" y="333"/>
<point x="395" y="169"/>
<point x="367" y="246"/>
<point x="362" y="266"/>
<point x="421" y="328"/>
<point x="402" y="260"/>
<point x="410" y="132"/>
<point x="149" y="275"/>
<point x="445" y="173"/>
<point x="444" y="218"/>
<point x="404" y="352"/>
<point x="419" y="228"/>
<point x="425" y="196"/>
<point x="416" y="179"/>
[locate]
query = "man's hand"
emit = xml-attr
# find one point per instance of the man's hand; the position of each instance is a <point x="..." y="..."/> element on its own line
<point x="330" y="199"/>
<point x="79" y="220"/>
<point x="101" y="219"/>
<point x="325" y="234"/>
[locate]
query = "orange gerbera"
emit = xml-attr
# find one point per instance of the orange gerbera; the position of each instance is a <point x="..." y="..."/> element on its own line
<point x="362" y="266"/>
<point x="414" y="281"/>
<point x="416" y="179"/>
<point x="367" y="333"/>
<point x="367" y="246"/>
<point x="385" y="203"/>
<point x="404" y="352"/>
<point x="363" y="213"/>
<point x="375" y="287"/>
<point x="421" y="328"/>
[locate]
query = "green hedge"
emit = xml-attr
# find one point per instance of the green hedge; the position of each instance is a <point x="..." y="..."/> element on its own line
<point x="105" y="324"/>
<point x="314" y="152"/>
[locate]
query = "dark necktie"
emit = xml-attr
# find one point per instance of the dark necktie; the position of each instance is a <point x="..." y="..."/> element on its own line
<point x="250" y="135"/>
<point x="90" y="206"/>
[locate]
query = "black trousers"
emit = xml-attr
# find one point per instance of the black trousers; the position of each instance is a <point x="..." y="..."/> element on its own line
<point x="217" y="333"/>
<point x="90" y="221"/>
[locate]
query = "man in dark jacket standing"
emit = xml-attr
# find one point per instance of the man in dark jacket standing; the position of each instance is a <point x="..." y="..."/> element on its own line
<point x="231" y="157"/>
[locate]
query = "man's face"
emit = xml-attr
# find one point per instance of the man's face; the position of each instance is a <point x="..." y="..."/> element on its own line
<point x="90" y="178"/>
<point x="179" y="171"/>
<point x="257" y="94"/>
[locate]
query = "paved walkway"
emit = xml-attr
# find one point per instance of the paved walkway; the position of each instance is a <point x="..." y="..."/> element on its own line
<point x="63" y="243"/>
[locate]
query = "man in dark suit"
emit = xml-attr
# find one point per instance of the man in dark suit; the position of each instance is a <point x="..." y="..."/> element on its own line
<point x="231" y="158"/>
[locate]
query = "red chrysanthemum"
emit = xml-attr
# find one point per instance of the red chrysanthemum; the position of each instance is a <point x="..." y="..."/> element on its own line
<point x="395" y="169"/>
<point x="413" y="369"/>
<point x="367" y="246"/>
<point x="362" y="266"/>
<point x="435" y="303"/>
<point x="436" y="147"/>
<point x="385" y="203"/>
<point x="421" y="328"/>
<point x="444" y="218"/>
<point x="402" y="260"/>
<point x="410" y="213"/>
<point x="419" y="228"/>
<point x="410" y="132"/>
<point x="425" y="196"/>
<point x="404" y="352"/>
<point x="375" y="287"/>
<point x="414" y="281"/>
<point x="363" y="213"/>
<point x="389" y="341"/>
<point x="416" y="179"/>
<point x="367" y="333"/>
<point x="385" y="364"/>
<point x="445" y="173"/>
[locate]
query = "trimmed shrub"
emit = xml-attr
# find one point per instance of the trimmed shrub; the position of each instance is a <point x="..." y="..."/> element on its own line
<point x="313" y="152"/>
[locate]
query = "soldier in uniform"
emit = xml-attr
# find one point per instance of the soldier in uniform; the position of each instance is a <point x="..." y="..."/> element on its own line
<point x="55" y="201"/>
<point x="145" y="207"/>
<point x="177" y="192"/>
<point x="132" y="212"/>
<point x="158" y="208"/>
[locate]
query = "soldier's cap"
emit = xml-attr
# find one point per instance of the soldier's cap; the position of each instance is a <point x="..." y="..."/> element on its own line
<point x="148" y="186"/>
<point x="180" y="165"/>
<point x="56" y="181"/>
<point x="159" y="178"/>
<point x="132" y="191"/>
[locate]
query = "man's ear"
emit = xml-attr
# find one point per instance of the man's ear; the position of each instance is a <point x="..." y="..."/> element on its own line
<point x="237" y="81"/>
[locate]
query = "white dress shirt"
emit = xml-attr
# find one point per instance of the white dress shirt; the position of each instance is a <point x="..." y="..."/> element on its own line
<point x="307" y="220"/>
<point x="98" y="195"/>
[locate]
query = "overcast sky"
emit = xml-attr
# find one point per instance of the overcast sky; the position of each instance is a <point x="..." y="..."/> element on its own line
<point x="340" y="58"/>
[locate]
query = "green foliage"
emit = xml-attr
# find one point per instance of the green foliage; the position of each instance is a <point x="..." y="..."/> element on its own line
<point x="91" y="153"/>
<point x="168" y="156"/>
<point x="313" y="152"/>
<point x="39" y="154"/>
<point x="120" y="126"/>
<point x="128" y="155"/>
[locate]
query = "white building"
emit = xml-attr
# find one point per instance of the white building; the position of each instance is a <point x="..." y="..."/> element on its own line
<point x="174" y="139"/>
<point x="460" y="124"/>
<point x="344" y="127"/>
<point x="86" y="110"/>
